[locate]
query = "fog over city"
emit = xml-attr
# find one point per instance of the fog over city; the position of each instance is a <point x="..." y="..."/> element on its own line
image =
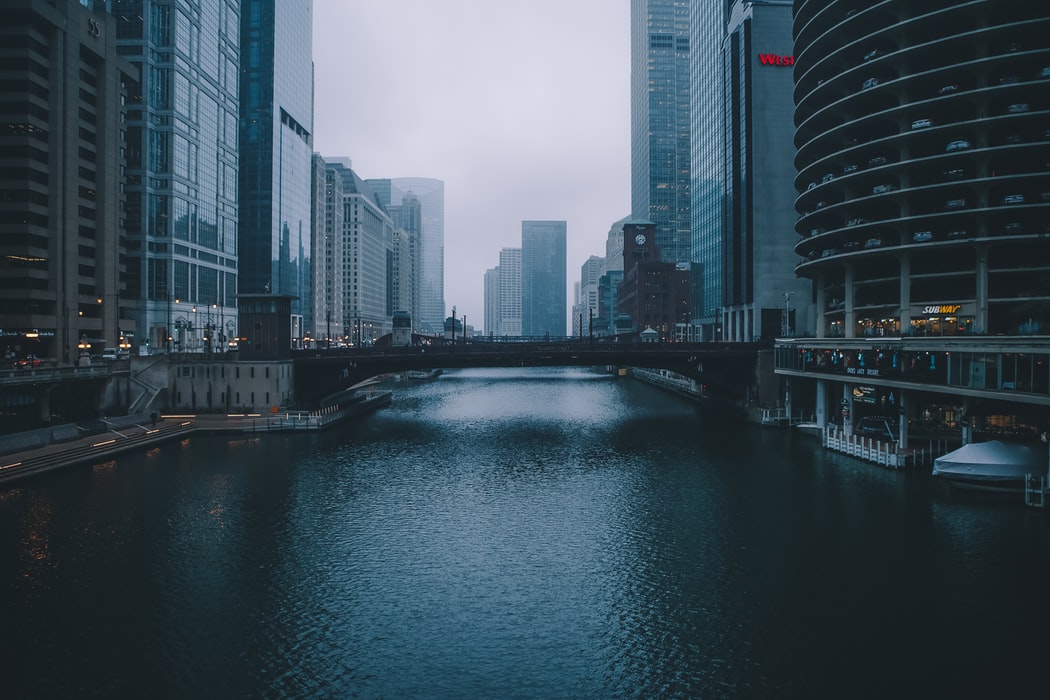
<point x="521" y="108"/>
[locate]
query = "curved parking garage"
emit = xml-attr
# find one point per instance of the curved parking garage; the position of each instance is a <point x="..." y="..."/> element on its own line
<point x="923" y="178"/>
<point x="923" y="137"/>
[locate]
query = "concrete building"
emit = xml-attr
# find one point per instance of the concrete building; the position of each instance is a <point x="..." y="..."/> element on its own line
<point x="182" y="134"/>
<point x="367" y="260"/>
<point x="924" y="206"/>
<point x="510" y="295"/>
<point x="62" y="160"/>
<point x="660" y="133"/>
<point x="543" y="278"/>
<point x="491" y="322"/>
<point x="761" y="295"/>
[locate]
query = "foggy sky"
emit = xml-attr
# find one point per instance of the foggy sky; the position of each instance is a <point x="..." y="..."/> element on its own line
<point x="522" y="107"/>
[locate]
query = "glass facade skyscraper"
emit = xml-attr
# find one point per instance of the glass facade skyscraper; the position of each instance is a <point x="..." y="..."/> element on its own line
<point x="276" y="151"/>
<point x="707" y="24"/>
<point x="182" y="164"/>
<point x="543" y="276"/>
<point x="660" y="133"/>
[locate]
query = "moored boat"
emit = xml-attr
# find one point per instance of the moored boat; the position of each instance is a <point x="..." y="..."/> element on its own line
<point x="991" y="466"/>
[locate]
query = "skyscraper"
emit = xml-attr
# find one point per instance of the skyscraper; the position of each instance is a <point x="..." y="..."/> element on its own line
<point x="431" y="194"/>
<point x="509" y="305"/>
<point x="61" y="181"/>
<point x="276" y="151"/>
<point x="660" y="131"/>
<point x="182" y="145"/>
<point x="543" y="278"/>
<point x="367" y="259"/>
<point x="707" y="24"/>
<point x="759" y="280"/>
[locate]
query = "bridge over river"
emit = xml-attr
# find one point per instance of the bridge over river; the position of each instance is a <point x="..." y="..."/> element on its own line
<point x="723" y="367"/>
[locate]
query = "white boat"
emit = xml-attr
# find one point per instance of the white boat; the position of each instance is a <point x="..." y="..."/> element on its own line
<point x="991" y="466"/>
<point x="809" y="428"/>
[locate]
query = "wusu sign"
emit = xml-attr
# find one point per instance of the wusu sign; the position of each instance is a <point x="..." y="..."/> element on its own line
<point x="772" y="59"/>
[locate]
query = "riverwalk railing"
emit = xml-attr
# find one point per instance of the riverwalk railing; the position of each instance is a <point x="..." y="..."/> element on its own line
<point x="888" y="454"/>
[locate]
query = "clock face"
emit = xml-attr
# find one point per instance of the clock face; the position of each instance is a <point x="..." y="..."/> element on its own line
<point x="640" y="239"/>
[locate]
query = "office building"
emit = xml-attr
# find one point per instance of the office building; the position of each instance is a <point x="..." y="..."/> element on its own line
<point x="491" y="301"/>
<point x="509" y="304"/>
<point x="431" y="287"/>
<point x="660" y="132"/>
<point x="62" y="159"/>
<point x="761" y="295"/>
<point x="543" y="278"/>
<point x="924" y="209"/>
<point x="276" y="152"/>
<point x="707" y="26"/>
<point x="182" y="167"/>
<point x="367" y="259"/>
<point x="406" y="212"/>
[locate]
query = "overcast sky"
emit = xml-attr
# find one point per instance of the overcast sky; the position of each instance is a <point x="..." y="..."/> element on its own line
<point x="522" y="107"/>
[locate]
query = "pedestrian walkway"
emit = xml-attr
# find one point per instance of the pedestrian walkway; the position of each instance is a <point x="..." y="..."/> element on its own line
<point x="18" y="465"/>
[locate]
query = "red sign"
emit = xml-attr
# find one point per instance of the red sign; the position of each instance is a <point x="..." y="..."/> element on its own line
<point x="772" y="59"/>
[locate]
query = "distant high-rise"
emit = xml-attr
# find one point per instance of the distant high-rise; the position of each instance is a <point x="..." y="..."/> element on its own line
<point x="543" y="278"/>
<point x="431" y="194"/>
<point x="708" y="19"/>
<point x="509" y="306"/>
<point x="182" y="168"/>
<point x="367" y="259"/>
<point x="62" y="201"/>
<point x="660" y="131"/>
<point x="276" y="150"/>
<point x="491" y="300"/>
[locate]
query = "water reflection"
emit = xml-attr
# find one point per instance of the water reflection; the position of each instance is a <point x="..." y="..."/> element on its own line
<point x="541" y="533"/>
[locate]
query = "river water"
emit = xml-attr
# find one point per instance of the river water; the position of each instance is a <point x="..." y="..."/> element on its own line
<point x="517" y="534"/>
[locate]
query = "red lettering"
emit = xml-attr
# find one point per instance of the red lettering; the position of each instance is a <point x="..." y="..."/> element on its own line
<point x="772" y="59"/>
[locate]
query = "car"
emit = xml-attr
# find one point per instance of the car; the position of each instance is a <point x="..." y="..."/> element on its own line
<point x="948" y="89"/>
<point x="873" y="243"/>
<point x="882" y="189"/>
<point x="957" y="203"/>
<point x="851" y="142"/>
<point x="1045" y="73"/>
<point x="922" y="123"/>
<point x="958" y="233"/>
<point x="1009" y="79"/>
<point x="856" y="222"/>
<point x="27" y="362"/>
<point x="1013" y="199"/>
<point x="869" y="83"/>
<point x="1018" y="108"/>
<point x="1045" y="196"/>
<point x="827" y="252"/>
<point x="957" y="145"/>
<point x="877" y="161"/>
<point x="851" y="168"/>
<point x="109" y="354"/>
<point x="922" y="236"/>
<point x="1014" y="139"/>
<point x="1012" y="228"/>
<point x="954" y="174"/>
<point x="873" y="54"/>
<point x="827" y="178"/>
<point x="816" y="231"/>
<point x="821" y="204"/>
<point x="810" y="186"/>
<point x="851" y="245"/>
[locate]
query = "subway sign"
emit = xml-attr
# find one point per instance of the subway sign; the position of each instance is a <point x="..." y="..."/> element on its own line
<point x="942" y="309"/>
<point x="773" y="59"/>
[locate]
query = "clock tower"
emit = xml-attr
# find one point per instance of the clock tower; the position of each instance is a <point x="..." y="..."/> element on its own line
<point x="639" y="243"/>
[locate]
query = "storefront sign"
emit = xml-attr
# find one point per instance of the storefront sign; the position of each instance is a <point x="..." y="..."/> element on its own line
<point x="941" y="310"/>
<point x="772" y="59"/>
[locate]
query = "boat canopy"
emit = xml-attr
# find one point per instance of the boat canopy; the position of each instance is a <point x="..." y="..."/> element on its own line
<point x="992" y="461"/>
